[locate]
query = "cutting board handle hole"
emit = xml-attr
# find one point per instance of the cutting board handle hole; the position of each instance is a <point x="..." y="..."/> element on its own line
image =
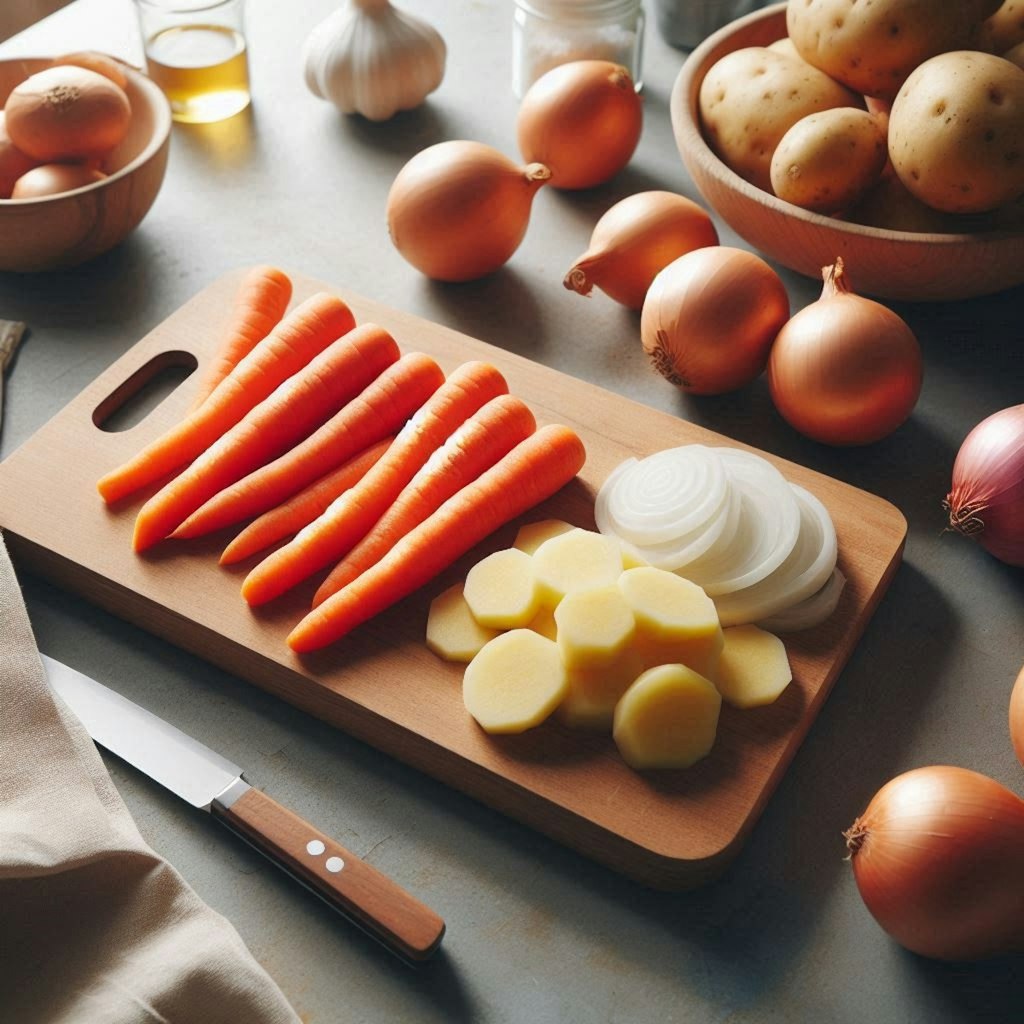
<point x="134" y="399"/>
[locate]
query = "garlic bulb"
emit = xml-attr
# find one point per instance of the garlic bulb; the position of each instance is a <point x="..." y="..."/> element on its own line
<point x="372" y="59"/>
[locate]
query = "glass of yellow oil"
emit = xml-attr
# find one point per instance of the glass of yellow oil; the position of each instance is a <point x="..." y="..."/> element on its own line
<point x="196" y="53"/>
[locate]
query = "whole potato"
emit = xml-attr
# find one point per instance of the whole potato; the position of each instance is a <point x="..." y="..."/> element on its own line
<point x="1005" y="28"/>
<point x="890" y="205"/>
<point x="873" y="46"/>
<point x="956" y="132"/>
<point x="751" y="97"/>
<point x="1015" y="55"/>
<point x="828" y="160"/>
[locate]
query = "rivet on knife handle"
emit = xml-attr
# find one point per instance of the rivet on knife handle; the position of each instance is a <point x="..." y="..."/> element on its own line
<point x="360" y="891"/>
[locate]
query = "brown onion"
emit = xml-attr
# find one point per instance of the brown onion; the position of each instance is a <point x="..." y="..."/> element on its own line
<point x="845" y="370"/>
<point x="710" y="317"/>
<point x="459" y="210"/>
<point x="1017" y="717"/>
<point x="67" y="113"/>
<point x="93" y="60"/>
<point x="937" y="858"/>
<point x="986" y="501"/>
<point x="52" y="179"/>
<point x="636" y="239"/>
<point x="13" y="163"/>
<point x="581" y="119"/>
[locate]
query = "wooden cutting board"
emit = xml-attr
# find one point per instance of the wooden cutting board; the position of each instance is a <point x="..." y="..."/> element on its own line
<point x="667" y="829"/>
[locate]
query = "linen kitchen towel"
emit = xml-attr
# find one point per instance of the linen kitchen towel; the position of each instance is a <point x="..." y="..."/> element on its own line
<point x="94" y="925"/>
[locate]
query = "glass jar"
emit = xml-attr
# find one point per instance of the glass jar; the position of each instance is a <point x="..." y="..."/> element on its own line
<point x="546" y="33"/>
<point x="685" y="23"/>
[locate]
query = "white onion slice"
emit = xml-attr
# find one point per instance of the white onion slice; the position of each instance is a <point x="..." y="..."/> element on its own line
<point x="667" y="495"/>
<point x="767" y="532"/>
<point x="804" y="572"/>
<point x="810" y="612"/>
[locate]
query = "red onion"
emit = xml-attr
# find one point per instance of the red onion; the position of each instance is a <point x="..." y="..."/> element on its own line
<point x="987" y="498"/>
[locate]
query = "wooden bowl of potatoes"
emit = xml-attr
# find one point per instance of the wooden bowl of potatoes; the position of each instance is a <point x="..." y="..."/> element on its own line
<point x="894" y="245"/>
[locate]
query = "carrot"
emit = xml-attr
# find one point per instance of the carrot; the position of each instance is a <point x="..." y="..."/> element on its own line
<point x="349" y="518"/>
<point x="301" y="509"/>
<point x="534" y="470"/>
<point x="290" y="413"/>
<point x="478" y="444"/>
<point x="380" y="410"/>
<point x="261" y="301"/>
<point x="306" y="331"/>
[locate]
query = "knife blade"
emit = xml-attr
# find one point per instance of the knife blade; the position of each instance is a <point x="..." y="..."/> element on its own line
<point x="212" y="783"/>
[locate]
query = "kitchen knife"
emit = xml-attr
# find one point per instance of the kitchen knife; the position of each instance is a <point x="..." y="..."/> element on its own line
<point x="212" y="783"/>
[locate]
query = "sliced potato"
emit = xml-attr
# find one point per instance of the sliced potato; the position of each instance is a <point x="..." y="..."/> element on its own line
<point x="575" y="561"/>
<point x="594" y="692"/>
<point x="515" y="682"/>
<point x="452" y="632"/>
<point x="753" y="669"/>
<point x="500" y="590"/>
<point x="532" y="535"/>
<point x="675" y="620"/>
<point x="594" y="627"/>
<point x="668" y="718"/>
<point x="544" y="623"/>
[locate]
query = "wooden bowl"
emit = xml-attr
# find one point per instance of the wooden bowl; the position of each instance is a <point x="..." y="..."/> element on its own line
<point x="70" y="228"/>
<point x="888" y="264"/>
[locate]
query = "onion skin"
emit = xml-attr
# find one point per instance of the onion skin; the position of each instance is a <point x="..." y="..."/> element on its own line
<point x="986" y="501"/>
<point x="459" y="210"/>
<point x="13" y="163"/>
<point x="1017" y="717"/>
<point x="710" y="318"/>
<point x="937" y="856"/>
<point x="845" y="370"/>
<point x="93" y="60"/>
<point x="583" y="120"/>
<point x="67" y="113"/>
<point x="53" y="179"/>
<point x="635" y="240"/>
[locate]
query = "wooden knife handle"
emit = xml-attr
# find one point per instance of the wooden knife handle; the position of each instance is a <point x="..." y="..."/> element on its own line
<point x="375" y="902"/>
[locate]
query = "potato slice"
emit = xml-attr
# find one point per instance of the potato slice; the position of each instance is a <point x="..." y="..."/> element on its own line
<point x="544" y="623"/>
<point x="668" y="718"/>
<point x="675" y="620"/>
<point x="595" y="627"/>
<point x="452" y="632"/>
<point x="515" y="682"/>
<point x="500" y="590"/>
<point x="575" y="561"/>
<point x="753" y="669"/>
<point x="594" y="692"/>
<point x="532" y="535"/>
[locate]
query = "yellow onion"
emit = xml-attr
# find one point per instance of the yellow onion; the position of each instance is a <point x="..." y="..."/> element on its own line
<point x="93" y="60"/>
<point x="581" y="119"/>
<point x="67" y="113"/>
<point x="1017" y="717"/>
<point x="459" y="210"/>
<point x="845" y="370"/>
<point x="710" y="317"/>
<point x="13" y="163"/>
<point x="634" y="240"/>
<point x="52" y="179"/>
<point x="937" y="858"/>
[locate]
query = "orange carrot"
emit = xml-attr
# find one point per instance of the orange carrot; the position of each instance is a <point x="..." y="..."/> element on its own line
<point x="531" y="472"/>
<point x="478" y="444"/>
<point x="306" y="331"/>
<point x="349" y="518"/>
<point x="301" y="509"/>
<point x="380" y="410"/>
<point x="294" y="410"/>
<point x="261" y="301"/>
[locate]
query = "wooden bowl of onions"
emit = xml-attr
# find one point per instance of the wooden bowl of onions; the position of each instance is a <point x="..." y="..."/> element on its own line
<point x="45" y="232"/>
<point x="886" y="263"/>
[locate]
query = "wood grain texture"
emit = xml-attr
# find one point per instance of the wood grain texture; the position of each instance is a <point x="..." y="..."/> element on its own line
<point x="381" y="684"/>
<point x="888" y="264"/>
<point x="376" y="903"/>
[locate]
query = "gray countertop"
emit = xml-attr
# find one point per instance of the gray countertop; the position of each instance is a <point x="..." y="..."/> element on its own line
<point x="535" y="933"/>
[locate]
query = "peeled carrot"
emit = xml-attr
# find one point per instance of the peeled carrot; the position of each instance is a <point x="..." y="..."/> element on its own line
<point x="294" y="410"/>
<point x="381" y="409"/>
<point x="487" y="436"/>
<point x="349" y="518"/>
<point x="261" y="301"/>
<point x="300" y="336"/>
<point x="533" y="471"/>
<point x="301" y="509"/>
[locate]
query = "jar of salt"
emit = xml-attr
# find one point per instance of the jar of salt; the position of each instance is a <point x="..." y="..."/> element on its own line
<point x="547" y="33"/>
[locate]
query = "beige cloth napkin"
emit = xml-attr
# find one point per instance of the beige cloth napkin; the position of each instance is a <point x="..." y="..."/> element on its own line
<point x="94" y="925"/>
